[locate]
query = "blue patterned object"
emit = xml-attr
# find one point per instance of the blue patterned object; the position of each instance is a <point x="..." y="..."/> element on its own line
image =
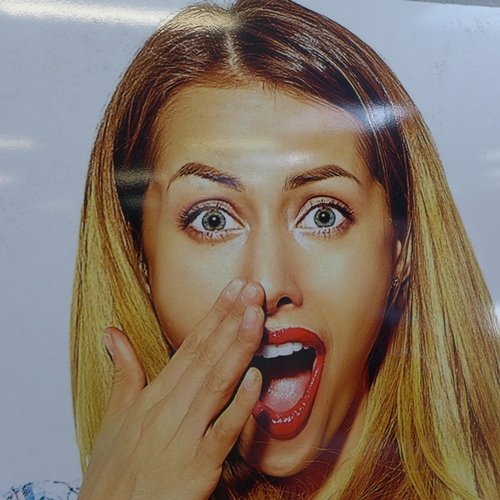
<point x="43" y="490"/>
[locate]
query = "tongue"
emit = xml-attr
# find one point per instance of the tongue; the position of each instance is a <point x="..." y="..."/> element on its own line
<point x="283" y="393"/>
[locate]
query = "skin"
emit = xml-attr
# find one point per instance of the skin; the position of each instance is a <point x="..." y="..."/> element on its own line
<point x="333" y="284"/>
<point x="161" y="442"/>
<point x="251" y="149"/>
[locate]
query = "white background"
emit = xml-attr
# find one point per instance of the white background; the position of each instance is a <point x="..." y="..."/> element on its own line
<point x="59" y="63"/>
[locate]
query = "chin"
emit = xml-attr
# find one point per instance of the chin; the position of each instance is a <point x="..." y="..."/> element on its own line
<point x="277" y="457"/>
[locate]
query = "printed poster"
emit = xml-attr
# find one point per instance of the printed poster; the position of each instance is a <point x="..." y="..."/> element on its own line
<point x="307" y="235"/>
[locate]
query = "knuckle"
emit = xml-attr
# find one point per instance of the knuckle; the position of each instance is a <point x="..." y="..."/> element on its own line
<point x="223" y="432"/>
<point x="192" y="343"/>
<point x="245" y="340"/>
<point x="208" y="355"/>
<point x="215" y="382"/>
<point x="221" y="307"/>
<point x="120" y="375"/>
<point x="238" y="311"/>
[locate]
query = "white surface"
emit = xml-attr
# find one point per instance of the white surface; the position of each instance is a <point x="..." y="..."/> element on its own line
<point x="59" y="63"/>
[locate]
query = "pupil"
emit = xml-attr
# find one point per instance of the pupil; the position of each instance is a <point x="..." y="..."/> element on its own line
<point x="325" y="217"/>
<point x="213" y="221"/>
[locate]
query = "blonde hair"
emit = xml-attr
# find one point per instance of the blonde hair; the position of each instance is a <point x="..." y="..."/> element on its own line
<point x="432" y="426"/>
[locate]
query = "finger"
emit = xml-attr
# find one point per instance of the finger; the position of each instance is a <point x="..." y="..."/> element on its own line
<point x="213" y="349"/>
<point x="180" y="398"/>
<point x="128" y="377"/>
<point x="191" y="345"/>
<point x="223" y="435"/>
<point x="200" y="352"/>
<point x="221" y="308"/>
<point x="215" y="346"/>
<point x="220" y="383"/>
<point x="250" y="293"/>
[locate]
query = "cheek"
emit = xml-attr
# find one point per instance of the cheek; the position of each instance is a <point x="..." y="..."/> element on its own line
<point x="185" y="283"/>
<point x="348" y="288"/>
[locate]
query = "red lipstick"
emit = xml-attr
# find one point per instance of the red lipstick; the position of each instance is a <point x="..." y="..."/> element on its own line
<point x="291" y="361"/>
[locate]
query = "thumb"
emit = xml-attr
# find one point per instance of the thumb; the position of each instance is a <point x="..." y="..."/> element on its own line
<point x="128" y="378"/>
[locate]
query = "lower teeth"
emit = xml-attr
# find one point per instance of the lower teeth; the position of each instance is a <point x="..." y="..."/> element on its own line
<point x="285" y="378"/>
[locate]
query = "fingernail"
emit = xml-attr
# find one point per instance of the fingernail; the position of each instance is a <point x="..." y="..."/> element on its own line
<point x="250" y="293"/>
<point x="108" y="342"/>
<point x="251" y="377"/>
<point x="250" y="317"/>
<point x="234" y="288"/>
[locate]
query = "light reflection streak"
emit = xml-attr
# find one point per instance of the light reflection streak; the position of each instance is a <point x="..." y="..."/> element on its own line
<point x="492" y="155"/>
<point x="72" y="11"/>
<point x="5" y="180"/>
<point x="15" y="143"/>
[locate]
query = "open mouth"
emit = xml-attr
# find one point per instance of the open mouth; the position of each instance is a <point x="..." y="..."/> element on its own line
<point x="291" y="362"/>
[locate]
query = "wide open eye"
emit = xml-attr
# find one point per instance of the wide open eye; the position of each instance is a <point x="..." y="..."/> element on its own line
<point x="213" y="220"/>
<point x="323" y="216"/>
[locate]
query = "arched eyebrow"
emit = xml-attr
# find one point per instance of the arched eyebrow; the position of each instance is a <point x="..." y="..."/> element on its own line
<point x="210" y="173"/>
<point x="317" y="174"/>
<point x="234" y="182"/>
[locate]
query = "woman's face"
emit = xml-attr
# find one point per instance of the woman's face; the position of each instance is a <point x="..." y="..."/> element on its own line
<point x="275" y="189"/>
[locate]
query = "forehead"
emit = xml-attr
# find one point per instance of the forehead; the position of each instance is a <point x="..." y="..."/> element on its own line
<point x="250" y="129"/>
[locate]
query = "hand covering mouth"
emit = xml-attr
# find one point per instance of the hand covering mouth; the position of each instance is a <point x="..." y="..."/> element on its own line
<point x="291" y="361"/>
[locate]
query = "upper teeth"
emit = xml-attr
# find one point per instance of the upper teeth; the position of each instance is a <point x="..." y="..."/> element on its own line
<point x="273" y="351"/>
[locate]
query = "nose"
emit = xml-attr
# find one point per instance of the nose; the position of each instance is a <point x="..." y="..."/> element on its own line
<point x="270" y="261"/>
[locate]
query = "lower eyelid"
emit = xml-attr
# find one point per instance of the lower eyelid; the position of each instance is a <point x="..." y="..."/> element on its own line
<point x="212" y="235"/>
<point x="328" y="231"/>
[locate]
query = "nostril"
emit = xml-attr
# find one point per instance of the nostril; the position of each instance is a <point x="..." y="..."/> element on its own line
<point x="283" y="301"/>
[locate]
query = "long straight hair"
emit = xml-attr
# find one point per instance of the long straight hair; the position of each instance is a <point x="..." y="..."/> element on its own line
<point x="432" y="427"/>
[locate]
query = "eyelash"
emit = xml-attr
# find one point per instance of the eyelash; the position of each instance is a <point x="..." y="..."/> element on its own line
<point x="190" y="214"/>
<point x="345" y="210"/>
<point x="187" y="216"/>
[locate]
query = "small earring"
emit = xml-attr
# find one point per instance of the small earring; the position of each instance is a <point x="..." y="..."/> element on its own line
<point x="395" y="282"/>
